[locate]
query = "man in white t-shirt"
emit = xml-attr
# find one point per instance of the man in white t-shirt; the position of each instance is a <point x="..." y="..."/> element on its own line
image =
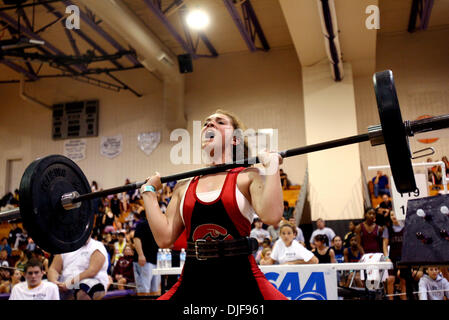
<point x="321" y="229"/>
<point x="81" y="274"/>
<point x="34" y="288"/>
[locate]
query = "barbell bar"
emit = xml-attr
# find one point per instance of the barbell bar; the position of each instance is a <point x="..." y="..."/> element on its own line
<point x="55" y="196"/>
<point x="414" y="127"/>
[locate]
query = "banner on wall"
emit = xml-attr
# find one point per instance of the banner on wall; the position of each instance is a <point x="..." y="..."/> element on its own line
<point x="312" y="282"/>
<point x="148" y="141"/>
<point x="75" y="149"/>
<point x="111" y="146"/>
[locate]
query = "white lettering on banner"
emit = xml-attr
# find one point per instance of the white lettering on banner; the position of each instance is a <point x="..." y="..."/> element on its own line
<point x="400" y="199"/>
<point x="311" y="283"/>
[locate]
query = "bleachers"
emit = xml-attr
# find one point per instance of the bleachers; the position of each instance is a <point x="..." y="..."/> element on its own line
<point x="291" y="195"/>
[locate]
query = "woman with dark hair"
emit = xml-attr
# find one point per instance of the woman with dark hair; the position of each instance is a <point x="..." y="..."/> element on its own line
<point x="217" y="210"/>
<point x="369" y="234"/>
<point x="324" y="253"/>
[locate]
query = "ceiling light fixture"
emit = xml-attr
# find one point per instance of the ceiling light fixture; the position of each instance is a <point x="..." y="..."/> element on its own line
<point x="197" y="19"/>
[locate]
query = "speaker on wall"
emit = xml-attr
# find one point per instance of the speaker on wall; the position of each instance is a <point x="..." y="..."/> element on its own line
<point x="185" y="63"/>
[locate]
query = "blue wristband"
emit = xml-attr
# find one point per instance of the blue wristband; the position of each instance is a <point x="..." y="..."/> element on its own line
<point x="147" y="188"/>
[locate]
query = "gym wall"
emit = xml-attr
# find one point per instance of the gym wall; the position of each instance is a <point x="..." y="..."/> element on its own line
<point x="262" y="88"/>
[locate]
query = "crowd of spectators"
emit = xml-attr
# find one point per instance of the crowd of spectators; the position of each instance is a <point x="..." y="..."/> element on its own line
<point x="117" y="224"/>
<point x="120" y="221"/>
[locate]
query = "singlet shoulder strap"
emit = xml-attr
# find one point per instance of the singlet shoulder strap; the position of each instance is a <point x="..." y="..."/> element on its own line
<point x="229" y="201"/>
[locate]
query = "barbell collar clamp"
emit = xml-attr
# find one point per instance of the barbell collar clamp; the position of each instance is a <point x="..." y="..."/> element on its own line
<point x="375" y="135"/>
<point x="67" y="200"/>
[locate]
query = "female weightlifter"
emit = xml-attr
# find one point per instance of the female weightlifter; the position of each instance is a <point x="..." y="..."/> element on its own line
<point x="217" y="211"/>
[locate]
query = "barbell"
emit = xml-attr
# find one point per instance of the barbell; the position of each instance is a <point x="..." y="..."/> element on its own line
<point x="55" y="195"/>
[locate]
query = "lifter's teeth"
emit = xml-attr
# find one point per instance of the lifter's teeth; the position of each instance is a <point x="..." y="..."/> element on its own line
<point x="209" y="134"/>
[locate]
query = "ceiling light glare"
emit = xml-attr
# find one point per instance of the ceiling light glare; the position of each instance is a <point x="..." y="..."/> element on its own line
<point x="197" y="19"/>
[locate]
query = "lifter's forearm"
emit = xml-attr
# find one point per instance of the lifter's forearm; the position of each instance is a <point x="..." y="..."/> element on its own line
<point x="271" y="207"/>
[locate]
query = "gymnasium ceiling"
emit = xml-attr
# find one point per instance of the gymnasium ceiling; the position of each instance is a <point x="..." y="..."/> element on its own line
<point x="283" y="22"/>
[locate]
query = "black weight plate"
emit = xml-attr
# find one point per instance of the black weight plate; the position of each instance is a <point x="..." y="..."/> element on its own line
<point x="53" y="228"/>
<point x="393" y="131"/>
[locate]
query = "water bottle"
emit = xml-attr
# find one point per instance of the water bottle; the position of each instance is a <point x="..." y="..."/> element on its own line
<point x="164" y="258"/>
<point x="182" y="257"/>
<point x="169" y="265"/>
<point x="159" y="259"/>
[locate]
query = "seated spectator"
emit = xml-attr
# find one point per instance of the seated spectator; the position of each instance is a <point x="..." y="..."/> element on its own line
<point x="353" y="254"/>
<point x="265" y="244"/>
<point x="16" y="277"/>
<point x="15" y="198"/>
<point x="392" y="249"/>
<point x="41" y="255"/>
<point x="4" y="258"/>
<point x="167" y="193"/>
<point x="119" y="247"/>
<point x="123" y="271"/>
<point x="434" y="174"/>
<point x="265" y="257"/>
<point x="288" y="211"/>
<point x="299" y="236"/>
<point x="21" y="240"/>
<point x="446" y="164"/>
<point x="338" y="249"/>
<point x="287" y="250"/>
<point x="437" y="175"/>
<point x="380" y="184"/>
<point x="115" y="205"/>
<point x="109" y="220"/>
<point x="383" y="211"/>
<point x="25" y="255"/>
<point x="6" y="200"/>
<point x="369" y="234"/>
<point x="81" y="274"/>
<point x="350" y="234"/>
<point x="285" y="182"/>
<point x="13" y="234"/>
<point x="34" y="288"/>
<point x="324" y="253"/>
<point x="258" y="232"/>
<point x="433" y="286"/>
<point x="4" y="245"/>
<point x="31" y="246"/>
<point x="273" y="230"/>
<point x="340" y="258"/>
<point x="94" y="186"/>
<point x="321" y="229"/>
<point x="5" y="272"/>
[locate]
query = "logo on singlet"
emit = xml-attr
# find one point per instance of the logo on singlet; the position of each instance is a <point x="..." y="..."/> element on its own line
<point x="211" y="232"/>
